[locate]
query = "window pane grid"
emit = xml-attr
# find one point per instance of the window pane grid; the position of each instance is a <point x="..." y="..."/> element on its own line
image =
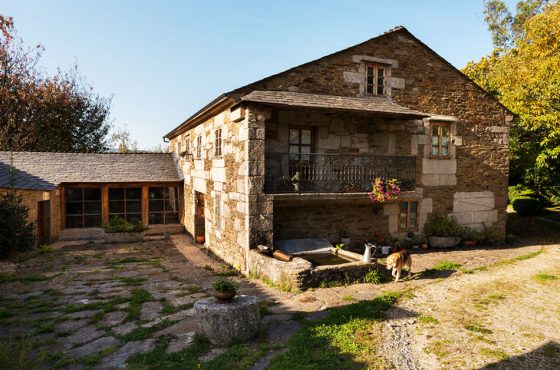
<point x="408" y="214"/>
<point x="83" y="207"/>
<point x="375" y="80"/>
<point x="163" y="205"/>
<point x="126" y="203"/>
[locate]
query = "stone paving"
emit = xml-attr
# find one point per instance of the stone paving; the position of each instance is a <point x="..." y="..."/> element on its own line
<point x="88" y="305"/>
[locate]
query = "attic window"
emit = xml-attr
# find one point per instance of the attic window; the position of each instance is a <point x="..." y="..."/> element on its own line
<point x="375" y="80"/>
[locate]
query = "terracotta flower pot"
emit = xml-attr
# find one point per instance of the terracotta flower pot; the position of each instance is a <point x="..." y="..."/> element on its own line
<point x="469" y="243"/>
<point x="224" y="296"/>
<point x="200" y="239"/>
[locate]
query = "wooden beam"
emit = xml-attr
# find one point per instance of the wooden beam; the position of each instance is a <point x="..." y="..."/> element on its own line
<point x="145" y="205"/>
<point x="104" y="204"/>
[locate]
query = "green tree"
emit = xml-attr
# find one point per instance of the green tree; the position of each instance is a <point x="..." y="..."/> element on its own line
<point x="46" y="113"/>
<point x="16" y="232"/>
<point x="523" y="72"/>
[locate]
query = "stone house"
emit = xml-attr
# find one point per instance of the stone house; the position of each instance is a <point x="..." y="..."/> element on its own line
<point x="66" y="192"/>
<point x="294" y="154"/>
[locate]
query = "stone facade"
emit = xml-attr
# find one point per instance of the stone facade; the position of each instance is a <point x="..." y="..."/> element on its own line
<point x="470" y="183"/>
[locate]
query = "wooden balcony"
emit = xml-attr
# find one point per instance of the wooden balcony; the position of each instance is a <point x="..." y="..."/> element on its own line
<point x="334" y="173"/>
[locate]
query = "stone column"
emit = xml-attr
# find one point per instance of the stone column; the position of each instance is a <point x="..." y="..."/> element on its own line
<point x="260" y="217"/>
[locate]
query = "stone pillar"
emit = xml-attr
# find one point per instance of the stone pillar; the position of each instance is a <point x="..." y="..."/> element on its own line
<point x="260" y="217"/>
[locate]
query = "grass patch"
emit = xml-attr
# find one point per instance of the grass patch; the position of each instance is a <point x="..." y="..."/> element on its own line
<point x="446" y="266"/>
<point x="349" y="298"/>
<point x="158" y="359"/>
<point x="477" y="328"/>
<point x="424" y="319"/>
<point x="545" y="277"/>
<point x="6" y="277"/>
<point x="440" y="348"/>
<point x="133" y="281"/>
<point x="193" y="289"/>
<point x="497" y="354"/>
<point x="107" y="306"/>
<point x="45" y="249"/>
<point x="5" y="313"/>
<point x="34" y="277"/>
<point x="229" y="271"/>
<point x="141" y="333"/>
<point x="338" y="341"/>
<point x="126" y="260"/>
<point x="488" y="300"/>
<point x="20" y="354"/>
<point x="168" y="309"/>
<point x="374" y="277"/>
<point x="506" y="262"/>
<point x="138" y="297"/>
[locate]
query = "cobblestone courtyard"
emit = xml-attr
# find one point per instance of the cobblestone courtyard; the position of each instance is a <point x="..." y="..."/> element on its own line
<point x="86" y="305"/>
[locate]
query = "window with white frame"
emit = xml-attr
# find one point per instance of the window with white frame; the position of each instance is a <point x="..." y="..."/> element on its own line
<point x="187" y="144"/>
<point x="218" y="143"/>
<point x="218" y="211"/>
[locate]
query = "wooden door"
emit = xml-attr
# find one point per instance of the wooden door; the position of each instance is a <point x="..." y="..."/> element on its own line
<point x="44" y="222"/>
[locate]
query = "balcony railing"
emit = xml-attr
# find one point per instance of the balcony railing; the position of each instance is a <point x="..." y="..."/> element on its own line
<point x="333" y="173"/>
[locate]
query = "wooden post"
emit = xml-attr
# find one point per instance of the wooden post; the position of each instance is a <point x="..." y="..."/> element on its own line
<point x="62" y="208"/>
<point x="104" y="204"/>
<point x="145" y="205"/>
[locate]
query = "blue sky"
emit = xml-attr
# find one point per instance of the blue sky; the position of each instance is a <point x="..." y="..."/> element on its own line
<point x="163" y="60"/>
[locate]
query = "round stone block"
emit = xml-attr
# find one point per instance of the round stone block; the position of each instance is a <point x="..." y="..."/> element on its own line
<point x="224" y="323"/>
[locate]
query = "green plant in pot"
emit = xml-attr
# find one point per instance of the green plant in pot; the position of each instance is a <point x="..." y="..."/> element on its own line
<point x="225" y="289"/>
<point x="472" y="236"/>
<point x="443" y="231"/>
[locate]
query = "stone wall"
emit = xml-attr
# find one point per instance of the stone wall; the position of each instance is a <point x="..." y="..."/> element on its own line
<point x="31" y="198"/>
<point x="421" y="80"/>
<point x="225" y="175"/>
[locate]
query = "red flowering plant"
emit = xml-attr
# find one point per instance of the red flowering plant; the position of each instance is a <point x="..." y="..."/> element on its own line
<point x="384" y="190"/>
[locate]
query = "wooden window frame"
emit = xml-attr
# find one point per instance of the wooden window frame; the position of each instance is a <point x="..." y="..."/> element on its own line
<point x="164" y="199"/>
<point x="199" y="147"/>
<point x="408" y="226"/>
<point x="125" y="200"/>
<point x="300" y="145"/>
<point x="218" y="143"/>
<point x="438" y="125"/>
<point x="83" y="202"/>
<point x="375" y="85"/>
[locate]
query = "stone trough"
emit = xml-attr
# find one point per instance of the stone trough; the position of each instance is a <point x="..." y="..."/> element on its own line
<point x="315" y="262"/>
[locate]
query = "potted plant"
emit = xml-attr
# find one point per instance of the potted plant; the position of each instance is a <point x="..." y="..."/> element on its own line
<point x="224" y="289"/>
<point x="200" y="239"/>
<point x="472" y="237"/>
<point x="443" y="231"/>
<point x="344" y="236"/>
<point x="384" y="190"/>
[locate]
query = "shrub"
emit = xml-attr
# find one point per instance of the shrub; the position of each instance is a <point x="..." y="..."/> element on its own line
<point x="442" y="226"/>
<point x="118" y="224"/>
<point x="527" y="206"/>
<point x="473" y="234"/>
<point x="16" y="232"/>
<point x="520" y="190"/>
<point x="225" y="285"/>
<point x="373" y="277"/>
<point x="492" y="235"/>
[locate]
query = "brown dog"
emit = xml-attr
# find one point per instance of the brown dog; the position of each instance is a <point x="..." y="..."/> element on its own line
<point x="397" y="261"/>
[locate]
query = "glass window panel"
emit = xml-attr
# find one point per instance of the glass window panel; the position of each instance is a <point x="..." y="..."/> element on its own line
<point x="380" y="89"/>
<point x="74" y="221"/>
<point x="155" y="205"/>
<point x="134" y="217"/>
<point x="92" y="193"/>
<point x="435" y="150"/>
<point x="73" y="194"/>
<point x="403" y="221"/>
<point x="444" y="130"/>
<point x="134" y="206"/>
<point x="294" y="136"/>
<point x="306" y="137"/>
<point x="370" y="80"/>
<point x="413" y="206"/>
<point x="116" y="207"/>
<point x="92" y="207"/>
<point x="294" y="149"/>
<point x="155" y="193"/>
<point x="116" y="193"/>
<point x="370" y="71"/>
<point x="155" y="218"/>
<point x="380" y="81"/>
<point x="92" y="221"/>
<point x="380" y="72"/>
<point x="171" y="218"/>
<point x="169" y="206"/>
<point x="369" y="89"/>
<point x="412" y="220"/>
<point x="444" y="141"/>
<point x="306" y="149"/>
<point x="444" y="150"/>
<point x="404" y="206"/>
<point x="73" y="208"/>
<point x="133" y="193"/>
<point x="435" y="140"/>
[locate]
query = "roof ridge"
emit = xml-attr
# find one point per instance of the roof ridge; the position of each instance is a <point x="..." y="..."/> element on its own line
<point x="102" y="153"/>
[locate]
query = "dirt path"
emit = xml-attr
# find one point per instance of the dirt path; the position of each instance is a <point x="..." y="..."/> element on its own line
<point x="507" y="315"/>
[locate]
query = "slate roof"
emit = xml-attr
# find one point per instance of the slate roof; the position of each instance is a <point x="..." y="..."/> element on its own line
<point x="46" y="170"/>
<point x="341" y="103"/>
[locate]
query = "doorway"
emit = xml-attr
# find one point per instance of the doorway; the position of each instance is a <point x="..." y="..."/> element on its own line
<point x="44" y="222"/>
<point x="199" y="220"/>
